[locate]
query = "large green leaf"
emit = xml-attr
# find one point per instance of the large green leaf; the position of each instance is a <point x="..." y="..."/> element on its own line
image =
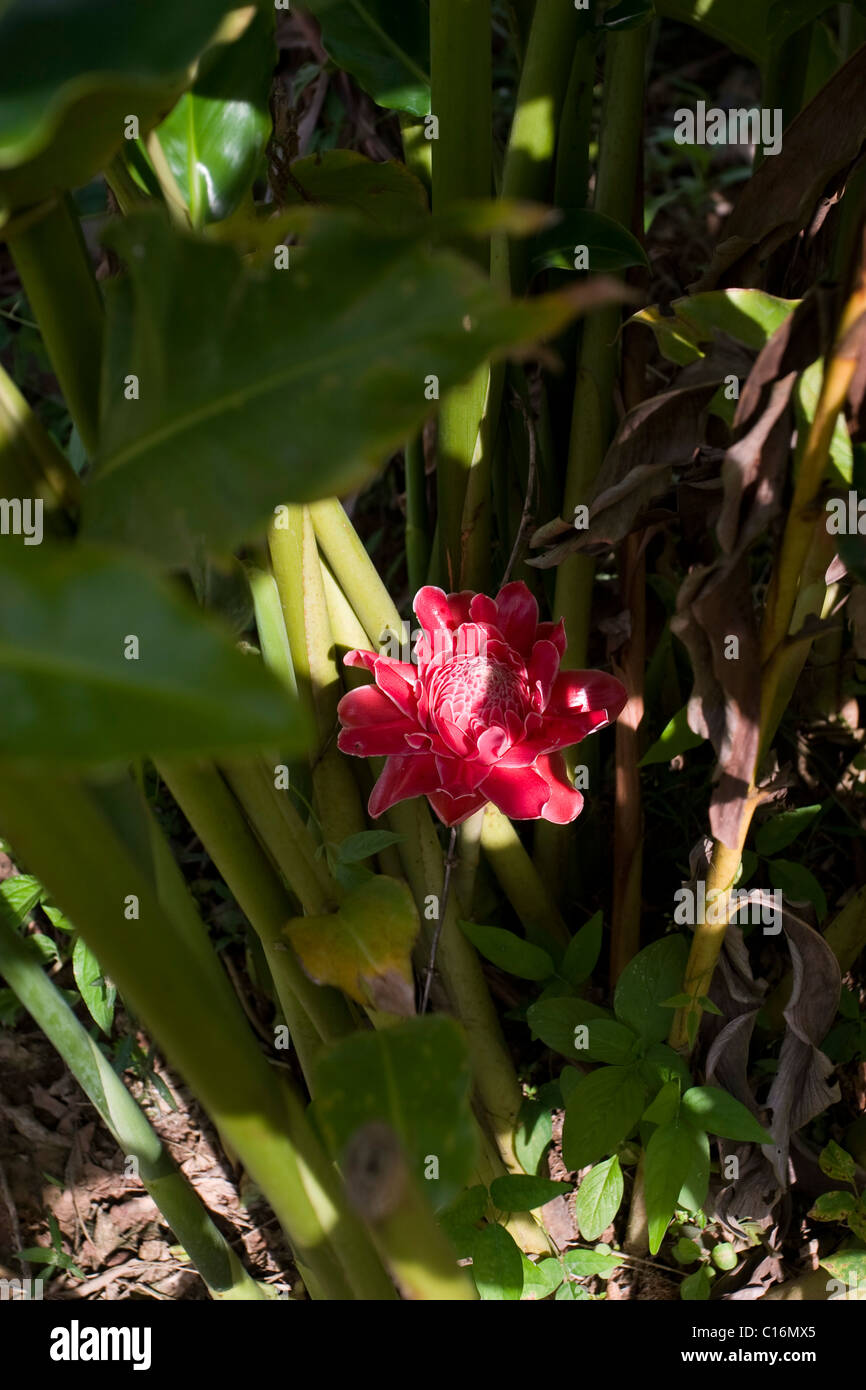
<point x="671" y="1154"/>
<point x="609" y="245"/>
<point x="712" y="1109"/>
<point x="384" y="44"/>
<point x="414" y="1077"/>
<point x="555" y="1021"/>
<point x="73" y="691"/>
<point x="598" y="1198"/>
<point x="651" y="977"/>
<point x="600" y="1112"/>
<point x="387" y="192"/>
<point x="497" y="1264"/>
<point x="514" y="1192"/>
<point x="509" y="952"/>
<point x="215" y="136"/>
<point x="258" y="386"/>
<point x="71" y="73"/>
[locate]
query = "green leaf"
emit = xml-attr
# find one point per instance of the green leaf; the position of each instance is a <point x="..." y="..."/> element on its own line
<point x="607" y="1041"/>
<point x="583" y="1264"/>
<point x="685" y="1251"/>
<point x="710" y="1108"/>
<point x="364" y="948"/>
<point x="21" y="893"/>
<point x="460" y="1219"/>
<point x="70" y="695"/>
<point x="675" y="738"/>
<point x="848" y="1266"/>
<point x="215" y="137"/>
<point x="598" y="1198"/>
<point x="98" y="995"/>
<point x="71" y="73"/>
<point x="662" y="1064"/>
<point x="514" y="1192"/>
<point x="365" y="844"/>
<point x="783" y="829"/>
<point x="748" y="316"/>
<point x="532" y="1135"/>
<point x="415" y="1077"/>
<point x="666" y="1105"/>
<point x="388" y="193"/>
<point x="509" y="952"/>
<point x="259" y="386"/>
<point x="38" y="1255"/>
<point x="836" y="1163"/>
<point x="569" y="1077"/>
<point x="609" y="245"/>
<point x="798" y="884"/>
<point x="583" y="951"/>
<point x="571" y="1291"/>
<point x="696" y="1287"/>
<point x="833" y="1206"/>
<point x="497" y="1264"/>
<point x="601" y="1111"/>
<point x="671" y="1153"/>
<point x="694" y="1189"/>
<point x="384" y="46"/>
<point x="555" y="1021"/>
<point x="652" y="976"/>
<point x="542" y="1279"/>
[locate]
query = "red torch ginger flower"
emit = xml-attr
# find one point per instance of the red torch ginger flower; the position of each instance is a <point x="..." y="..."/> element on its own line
<point x="483" y="716"/>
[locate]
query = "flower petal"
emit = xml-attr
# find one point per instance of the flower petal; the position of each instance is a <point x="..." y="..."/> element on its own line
<point x="542" y="672"/>
<point x="433" y="609"/>
<point x="565" y="802"/>
<point x="519" y="792"/>
<point x="579" y="692"/>
<point x="453" y="810"/>
<point x="518" y="616"/>
<point x="403" y="776"/>
<point x="553" y="632"/>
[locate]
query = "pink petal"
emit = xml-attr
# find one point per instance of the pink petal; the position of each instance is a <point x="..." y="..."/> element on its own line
<point x="403" y="776"/>
<point x="459" y="604"/>
<point x="453" y="810"/>
<point x="397" y="679"/>
<point x="542" y="672"/>
<point x="565" y="803"/>
<point x="518" y="616"/>
<point x="370" y="705"/>
<point x="374" y="740"/>
<point x="483" y="610"/>
<point x="361" y="658"/>
<point x="579" y="692"/>
<point x="433" y="609"/>
<point x="555" y="633"/>
<point x="520" y="793"/>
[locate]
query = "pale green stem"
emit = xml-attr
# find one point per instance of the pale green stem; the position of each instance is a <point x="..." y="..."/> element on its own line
<point x="520" y="880"/>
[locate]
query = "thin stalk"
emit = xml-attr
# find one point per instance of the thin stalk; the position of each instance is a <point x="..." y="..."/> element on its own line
<point x="213" y="813"/>
<point x="298" y="572"/>
<point x="571" y="177"/>
<point x="174" y="199"/>
<point x="468" y="854"/>
<point x="461" y="85"/>
<point x="75" y="851"/>
<point x="417" y="149"/>
<point x="54" y="267"/>
<point x="354" y="571"/>
<point x="31" y="465"/>
<point x="178" y="1201"/>
<point x="276" y="651"/>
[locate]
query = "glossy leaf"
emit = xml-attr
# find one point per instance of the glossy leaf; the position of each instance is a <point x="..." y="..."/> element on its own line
<point x="497" y="1265"/>
<point x="364" y="948"/>
<point x="652" y="976"/>
<point x="415" y="1077"/>
<point x="601" y="1111"/>
<point x="76" y="690"/>
<point x="71" y="73"/>
<point x="97" y="992"/>
<point x="215" y="136"/>
<point x="675" y="738"/>
<point x="21" y="893"/>
<point x="748" y="316"/>
<point x="583" y="1264"/>
<point x="518" y="1193"/>
<point x="598" y="1198"/>
<point x="608" y="245"/>
<point x="673" y="1149"/>
<point x="554" y="1021"/>
<point x="712" y="1109"/>
<point x="542" y="1279"/>
<point x="583" y="951"/>
<point x="385" y="46"/>
<point x="532" y="1135"/>
<point x="509" y="952"/>
<point x="258" y="386"/>
<point x="781" y="830"/>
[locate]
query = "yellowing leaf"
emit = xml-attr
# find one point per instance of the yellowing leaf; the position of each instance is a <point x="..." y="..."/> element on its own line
<point x="363" y="948"/>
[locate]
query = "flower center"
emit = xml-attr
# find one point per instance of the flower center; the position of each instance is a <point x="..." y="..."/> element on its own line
<point x="476" y="693"/>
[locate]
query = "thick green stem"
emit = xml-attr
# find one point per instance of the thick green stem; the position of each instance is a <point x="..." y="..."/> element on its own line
<point x="54" y="267"/>
<point x="461" y="81"/>
<point x="214" y="815"/>
<point x="276" y="651"/>
<point x="178" y="1201"/>
<point x="31" y="465"/>
<point x="64" y="838"/>
<point x="520" y="880"/>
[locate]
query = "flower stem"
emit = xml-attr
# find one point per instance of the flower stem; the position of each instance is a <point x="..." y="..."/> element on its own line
<point x="520" y="880"/>
<point x="178" y="1201"/>
<point x="31" y="465"/>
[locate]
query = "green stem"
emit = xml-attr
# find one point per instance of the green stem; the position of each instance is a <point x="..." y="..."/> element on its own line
<point x="520" y="880"/>
<point x="273" y="639"/>
<point x="571" y="178"/>
<point x="178" y="1201"/>
<point x="54" y="267"/>
<point x="76" y="852"/>
<point x="31" y="465"/>
<point x="417" y="520"/>
<point x="213" y="813"/>
<point x="461" y="83"/>
<point x="355" y="572"/>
